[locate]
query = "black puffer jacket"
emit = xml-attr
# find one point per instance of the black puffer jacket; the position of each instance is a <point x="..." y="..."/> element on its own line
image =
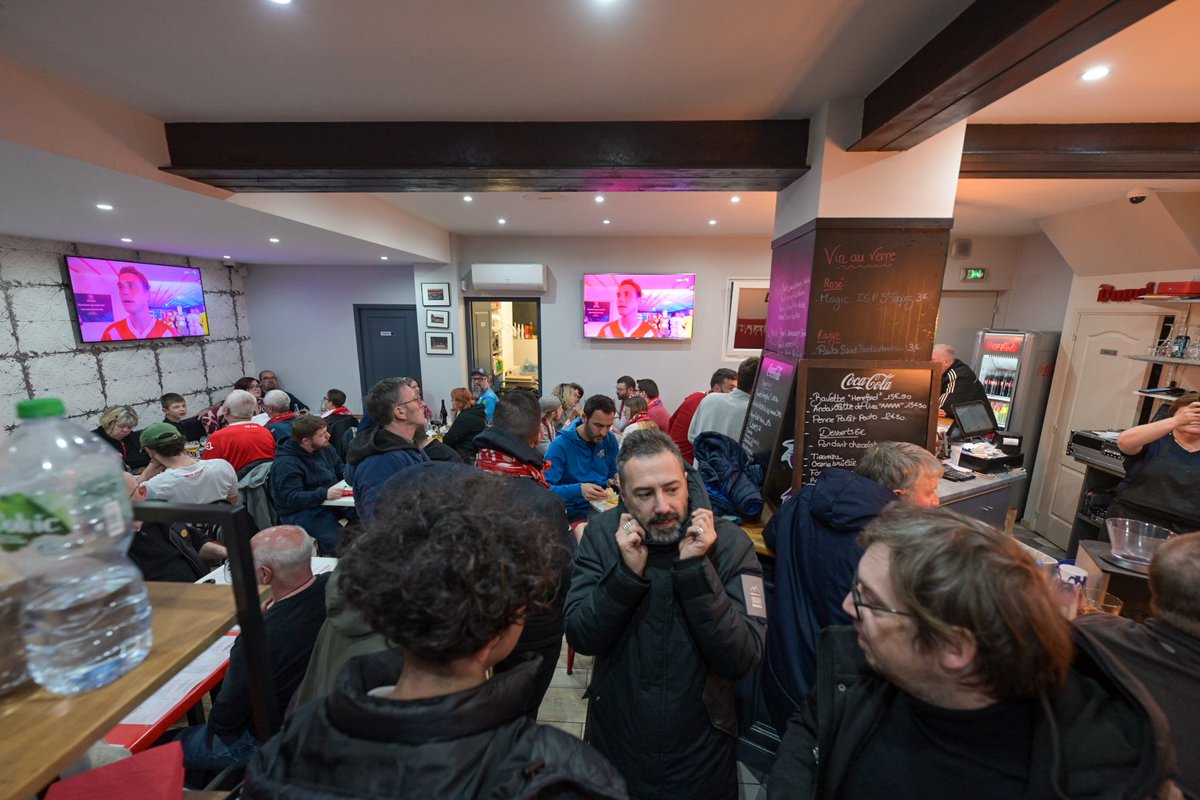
<point x="469" y="423"/>
<point x="1100" y="737"/>
<point x="472" y="744"/>
<point x="668" y="645"/>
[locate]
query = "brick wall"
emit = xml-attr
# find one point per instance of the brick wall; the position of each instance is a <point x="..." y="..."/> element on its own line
<point x="40" y="355"/>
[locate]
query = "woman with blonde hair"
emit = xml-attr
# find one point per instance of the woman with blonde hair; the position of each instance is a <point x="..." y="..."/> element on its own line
<point x="570" y="404"/>
<point x="116" y="427"/>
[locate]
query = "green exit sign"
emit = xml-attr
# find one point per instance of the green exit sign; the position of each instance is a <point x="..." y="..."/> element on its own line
<point x="974" y="274"/>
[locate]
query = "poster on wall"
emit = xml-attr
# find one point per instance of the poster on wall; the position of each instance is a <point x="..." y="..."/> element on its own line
<point x="746" y="318"/>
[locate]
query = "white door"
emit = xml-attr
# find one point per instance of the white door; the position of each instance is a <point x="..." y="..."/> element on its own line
<point x="1098" y="394"/>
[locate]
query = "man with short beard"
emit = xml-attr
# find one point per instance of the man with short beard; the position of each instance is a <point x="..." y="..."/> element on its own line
<point x="670" y="602"/>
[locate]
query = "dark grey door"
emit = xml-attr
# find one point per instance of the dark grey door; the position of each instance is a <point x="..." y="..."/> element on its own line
<point x="387" y="343"/>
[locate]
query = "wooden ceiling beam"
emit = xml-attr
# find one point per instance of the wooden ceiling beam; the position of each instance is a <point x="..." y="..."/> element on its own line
<point x="988" y="51"/>
<point x="746" y="155"/>
<point x="1115" y="150"/>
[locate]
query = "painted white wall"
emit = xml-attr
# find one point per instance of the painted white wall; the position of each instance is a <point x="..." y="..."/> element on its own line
<point x="996" y="254"/>
<point x="679" y="367"/>
<point x="440" y="374"/>
<point x="1040" y="285"/>
<point x="304" y="318"/>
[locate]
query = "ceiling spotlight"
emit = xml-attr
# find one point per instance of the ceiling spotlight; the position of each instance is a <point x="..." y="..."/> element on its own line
<point x="1095" y="74"/>
<point x="608" y="222"/>
<point x="227" y="257"/>
<point x="273" y="240"/>
<point x="282" y="2"/>
<point x="104" y="206"/>
<point x="467" y="198"/>
<point x="735" y="199"/>
<point x="712" y="222"/>
<point x="502" y="221"/>
<point x="126" y="239"/>
<point x="599" y="198"/>
<point x="383" y="258"/>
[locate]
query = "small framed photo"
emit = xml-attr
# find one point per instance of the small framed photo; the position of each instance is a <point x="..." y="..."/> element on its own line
<point x="435" y="294"/>
<point x="437" y="319"/>
<point x="439" y="344"/>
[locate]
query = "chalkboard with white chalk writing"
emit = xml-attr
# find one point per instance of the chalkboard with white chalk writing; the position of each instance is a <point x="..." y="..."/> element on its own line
<point x="770" y="424"/>
<point x="845" y="407"/>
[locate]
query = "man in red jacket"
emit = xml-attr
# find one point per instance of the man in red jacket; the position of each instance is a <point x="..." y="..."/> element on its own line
<point x="722" y="381"/>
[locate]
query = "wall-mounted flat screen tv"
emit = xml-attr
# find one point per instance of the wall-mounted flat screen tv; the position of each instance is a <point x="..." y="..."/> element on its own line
<point x="127" y="301"/>
<point x="620" y="305"/>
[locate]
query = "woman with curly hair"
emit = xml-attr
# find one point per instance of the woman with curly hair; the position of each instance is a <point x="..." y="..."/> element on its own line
<point x="447" y="571"/>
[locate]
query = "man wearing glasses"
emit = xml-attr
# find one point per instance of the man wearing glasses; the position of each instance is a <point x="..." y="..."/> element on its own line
<point x="959" y="679"/>
<point x="389" y="446"/>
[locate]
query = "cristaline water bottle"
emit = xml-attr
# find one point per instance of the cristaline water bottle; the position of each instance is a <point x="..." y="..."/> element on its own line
<point x="65" y="525"/>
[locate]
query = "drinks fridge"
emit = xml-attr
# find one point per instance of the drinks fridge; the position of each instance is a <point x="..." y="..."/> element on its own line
<point x="1015" y="368"/>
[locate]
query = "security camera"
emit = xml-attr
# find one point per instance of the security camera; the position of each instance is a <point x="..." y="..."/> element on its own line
<point x="1136" y="196"/>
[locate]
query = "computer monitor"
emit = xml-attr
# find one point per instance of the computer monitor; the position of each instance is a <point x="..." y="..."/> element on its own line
<point x="973" y="419"/>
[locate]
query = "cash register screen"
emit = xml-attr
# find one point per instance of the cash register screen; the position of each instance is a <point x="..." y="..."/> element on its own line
<point x="973" y="419"/>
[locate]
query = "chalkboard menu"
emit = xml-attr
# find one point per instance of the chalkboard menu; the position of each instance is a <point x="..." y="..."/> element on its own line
<point x="770" y="423"/>
<point x="875" y="293"/>
<point x="788" y="300"/>
<point x="845" y="407"/>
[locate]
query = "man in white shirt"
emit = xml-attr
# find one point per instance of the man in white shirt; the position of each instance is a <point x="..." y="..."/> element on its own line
<point x="176" y="477"/>
<point x="726" y="413"/>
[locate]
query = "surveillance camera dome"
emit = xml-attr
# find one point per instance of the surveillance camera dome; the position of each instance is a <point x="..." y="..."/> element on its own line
<point x="1136" y="196"/>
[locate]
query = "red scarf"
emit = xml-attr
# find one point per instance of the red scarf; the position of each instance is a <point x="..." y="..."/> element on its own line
<point x="281" y="417"/>
<point x="494" y="461"/>
<point x="341" y="411"/>
<point x="641" y="416"/>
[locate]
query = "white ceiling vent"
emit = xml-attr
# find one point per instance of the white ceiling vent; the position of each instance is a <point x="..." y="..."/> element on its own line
<point x="509" y="277"/>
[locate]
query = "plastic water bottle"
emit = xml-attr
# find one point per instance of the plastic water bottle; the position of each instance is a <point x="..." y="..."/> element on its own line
<point x="65" y="525"/>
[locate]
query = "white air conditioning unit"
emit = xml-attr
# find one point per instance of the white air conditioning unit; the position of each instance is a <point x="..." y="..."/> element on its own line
<point x="509" y="277"/>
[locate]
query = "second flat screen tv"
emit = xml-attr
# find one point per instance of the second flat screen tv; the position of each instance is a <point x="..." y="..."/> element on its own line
<point x="126" y="300"/>
<point x="620" y="305"/>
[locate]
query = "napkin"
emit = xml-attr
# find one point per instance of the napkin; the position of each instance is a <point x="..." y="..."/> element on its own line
<point x="153" y="774"/>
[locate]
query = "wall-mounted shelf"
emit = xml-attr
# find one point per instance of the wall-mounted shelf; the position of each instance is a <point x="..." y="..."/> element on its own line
<point x="1157" y="395"/>
<point x="1187" y="362"/>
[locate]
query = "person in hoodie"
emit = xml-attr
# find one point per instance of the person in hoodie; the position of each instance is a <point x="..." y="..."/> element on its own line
<point x="583" y="457"/>
<point x="508" y="447"/>
<point x="387" y="447"/>
<point x="304" y="476"/>
<point x="447" y="572"/>
<point x="815" y="539"/>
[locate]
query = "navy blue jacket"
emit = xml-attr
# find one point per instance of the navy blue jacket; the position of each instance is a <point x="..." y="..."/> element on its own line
<point x="733" y="481"/>
<point x="815" y="539"/>
<point x="299" y="479"/>
<point x="373" y="457"/>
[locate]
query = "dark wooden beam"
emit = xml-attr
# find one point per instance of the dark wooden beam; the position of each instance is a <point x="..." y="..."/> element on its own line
<point x="750" y="155"/>
<point x="1121" y="150"/>
<point x="988" y="51"/>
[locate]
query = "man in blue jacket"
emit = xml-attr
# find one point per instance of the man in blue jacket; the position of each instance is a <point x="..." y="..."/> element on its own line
<point x="303" y="477"/>
<point x="815" y="539"/>
<point x="380" y="451"/>
<point x="583" y="457"/>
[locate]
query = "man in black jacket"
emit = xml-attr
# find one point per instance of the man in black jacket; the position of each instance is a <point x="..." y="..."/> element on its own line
<point x="670" y="602"/>
<point x="960" y="384"/>
<point x="957" y="680"/>
<point x="447" y="571"/>
<point x="305" y="474"/>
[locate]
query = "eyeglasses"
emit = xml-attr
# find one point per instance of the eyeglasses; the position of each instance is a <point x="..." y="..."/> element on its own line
<point x="414" y="400"/>
<point x="859" y="605"/>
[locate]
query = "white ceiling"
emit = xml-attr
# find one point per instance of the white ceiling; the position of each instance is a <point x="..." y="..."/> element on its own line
<point x="531" y="60"/>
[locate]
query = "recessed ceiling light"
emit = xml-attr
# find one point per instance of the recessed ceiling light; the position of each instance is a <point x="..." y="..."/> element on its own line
<point x="735" y="199"/>
<point x="126" y="239"/>
<point x="383" y="258"/>
<point x="1095" y="74"/>
<point x="282" y="2"/>
<point x="712" y="222"/>
<point x="608" y="222"/>
<point x="104" y="206"/>
<point x="467" y="198"/>
<point x="502" y="221"/>
<point x="226" y="256"/>
<point x="599" y="198"/>
<point x="273" y="240"/>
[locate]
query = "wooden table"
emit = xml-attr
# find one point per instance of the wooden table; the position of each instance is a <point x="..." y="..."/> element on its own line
<point x="45" y="733"/>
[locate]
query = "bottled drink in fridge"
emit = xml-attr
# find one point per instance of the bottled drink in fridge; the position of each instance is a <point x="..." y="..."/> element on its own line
<point x="65" y="526"/>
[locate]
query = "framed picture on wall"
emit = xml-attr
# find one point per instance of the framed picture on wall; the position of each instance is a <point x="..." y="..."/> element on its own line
<point x="435" y="294"/>
<point x="437" y="319"/>
<point x="746" y="318"/>
<point x="439" y="344"/>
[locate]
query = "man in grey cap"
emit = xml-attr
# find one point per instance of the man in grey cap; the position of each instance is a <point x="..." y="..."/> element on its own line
<point x="552" y="411"/>
<point x="481" y="387"/>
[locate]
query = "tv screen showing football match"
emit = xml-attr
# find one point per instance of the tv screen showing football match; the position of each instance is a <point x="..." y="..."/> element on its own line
<point x="128" y="301"/>
<point x="638" y="306"/>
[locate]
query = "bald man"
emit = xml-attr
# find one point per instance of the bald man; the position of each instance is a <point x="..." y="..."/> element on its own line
<point x="293" y="616"/>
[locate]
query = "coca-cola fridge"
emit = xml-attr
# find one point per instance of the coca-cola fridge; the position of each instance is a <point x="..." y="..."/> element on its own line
<point x="1015" y="368"/>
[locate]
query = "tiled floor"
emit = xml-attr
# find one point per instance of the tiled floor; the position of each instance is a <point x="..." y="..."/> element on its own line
<point x="564" y="708"/>
<point x="1037" y="542"/>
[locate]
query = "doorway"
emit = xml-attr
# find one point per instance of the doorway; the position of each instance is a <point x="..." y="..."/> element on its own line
<point x="387" y="343"/>
<point x="504" y="340"/>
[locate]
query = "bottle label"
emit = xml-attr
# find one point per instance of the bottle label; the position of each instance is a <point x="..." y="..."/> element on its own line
<point x="22" y="520"/>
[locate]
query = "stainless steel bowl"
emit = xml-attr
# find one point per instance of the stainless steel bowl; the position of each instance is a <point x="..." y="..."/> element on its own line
<point x="1134" y="540"/>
